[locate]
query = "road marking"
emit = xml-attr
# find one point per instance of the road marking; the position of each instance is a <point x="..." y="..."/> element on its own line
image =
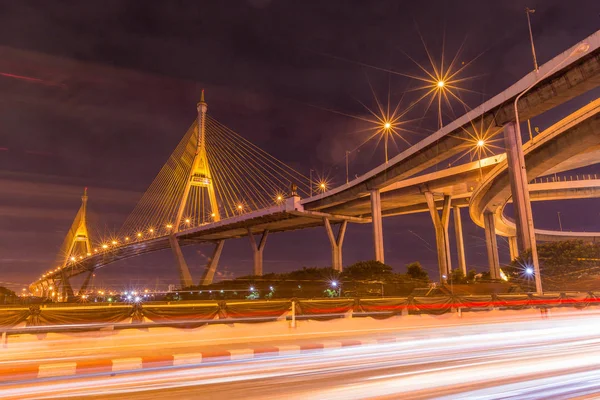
<point x="241" y="354"/>
<point x="187" y="359"/>
<point x="125" y="364"/>
<point x="289" y="349"/>
<point x="57" y="369"/>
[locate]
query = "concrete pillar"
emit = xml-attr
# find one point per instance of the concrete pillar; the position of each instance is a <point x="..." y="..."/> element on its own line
<point x="491" y="244"/>
<point x="513" y="248"/>
<point x="377" y="225"/>
<point x="185" y="278"/>
<point x="67" y="290"/>
<point x="441" y="233"/>
<point x="519" y="187"/>
<point x="86" y="283"/>
<point x="213" y="261"/>
<point x="460" y="243"/>
<point x="257" y="251"/>
<point x="336" y="243"/>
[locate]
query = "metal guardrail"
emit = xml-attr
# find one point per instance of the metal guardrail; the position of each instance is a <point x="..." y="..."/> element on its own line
<point x="568" y="178"/>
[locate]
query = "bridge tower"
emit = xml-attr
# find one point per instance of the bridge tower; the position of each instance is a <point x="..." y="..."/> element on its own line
<point x="76" y="243"/>
<point x="200" y="173"/>
<point x="201" y="177"/>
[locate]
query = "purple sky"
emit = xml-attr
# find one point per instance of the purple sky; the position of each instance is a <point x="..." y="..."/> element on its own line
<point x="99" y="94"/>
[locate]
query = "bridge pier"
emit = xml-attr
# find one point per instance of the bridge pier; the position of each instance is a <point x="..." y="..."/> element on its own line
<point x="86" y="283"/>
<point x="213" y="261"/>
<point x="460" y="244"/>
<point x="491" y="244"/>
<point x="517" y="173"/>
<point x="67" y="290"/>
<point x="185" y="278"/>
<point x="513" y="248"/>
<point x="257" y="250"/>
<point x="441" y="233"/>
<point x="377" y="225"/>
<point x="336" y="243"/>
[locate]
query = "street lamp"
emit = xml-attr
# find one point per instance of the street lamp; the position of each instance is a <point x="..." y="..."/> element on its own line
<point x="531" y="11"/>
<point x="582" y="48"/>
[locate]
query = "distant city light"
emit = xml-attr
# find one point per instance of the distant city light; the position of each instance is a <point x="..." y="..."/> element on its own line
<point x="481" y="143"/>
<point x="441" y="84"/>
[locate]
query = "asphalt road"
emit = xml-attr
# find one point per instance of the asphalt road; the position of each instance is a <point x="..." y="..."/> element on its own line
<point x="550" y="358"/>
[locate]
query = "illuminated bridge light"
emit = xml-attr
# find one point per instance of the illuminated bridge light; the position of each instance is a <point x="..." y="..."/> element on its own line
<point x="139" y="234"/>
<point x="127" y="238"/>
<point x="105" y="246"/>
<point x="114" y="242"/>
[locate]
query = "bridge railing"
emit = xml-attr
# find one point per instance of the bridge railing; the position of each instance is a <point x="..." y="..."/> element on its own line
<point x="567" y="178"/>
<point x="15" y="320"/>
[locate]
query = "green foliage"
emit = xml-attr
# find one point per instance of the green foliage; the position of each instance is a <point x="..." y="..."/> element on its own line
<point x="471" y="275"/>
<point x="561" y="263"/>
<point x="311" y="273"/>
<point x="331" y="293"/>
<point x="367" y="270"/>
<point x="415" y="271"/>
<point x="253" y="296"/>
<point x="457" y="276"/>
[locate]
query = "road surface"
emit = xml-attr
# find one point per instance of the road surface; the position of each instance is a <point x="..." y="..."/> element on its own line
<point x="557" y="357"/>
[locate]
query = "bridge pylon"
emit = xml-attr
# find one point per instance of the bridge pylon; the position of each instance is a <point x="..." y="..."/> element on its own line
<point x="76" y="243"/>
<point x="200" y="177"/>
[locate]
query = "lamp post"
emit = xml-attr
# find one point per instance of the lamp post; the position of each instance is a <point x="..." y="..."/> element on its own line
<point x="582" y="48"/>
<point x="559" y="221"/>
<point x="531" y="11"/>
<point x="347" y="154"/>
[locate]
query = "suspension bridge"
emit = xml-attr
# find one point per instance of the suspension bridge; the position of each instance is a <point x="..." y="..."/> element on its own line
<point x="217" y="185"/>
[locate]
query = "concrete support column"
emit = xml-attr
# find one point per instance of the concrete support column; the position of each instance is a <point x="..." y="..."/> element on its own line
<point x="377" y="225"/>
<point x="460" y="243"/>
<point x="519" y="187"/>
<point x="336" y="243"/>
<point x="86" y="283"/>
<point x="213" y="261"/>
<point x="441" y="233"/>
<point x="44" y="289"/>
<point x="185" y="278"/>
<point x="491" y="244"/>
<point x="513" y="248"/>
<point x="257" y="251"/>
<point x="67" y="290"/>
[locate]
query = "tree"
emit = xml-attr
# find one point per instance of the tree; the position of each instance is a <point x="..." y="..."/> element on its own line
<point x="457" y="276"/>
<point x="471" y="275"/>
<point x="415" y="271"/>
<point x="367" y="270"/>
<point x="312" y="274"/>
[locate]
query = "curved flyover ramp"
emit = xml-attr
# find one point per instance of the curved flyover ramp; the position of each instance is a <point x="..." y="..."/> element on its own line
<point x="561" y="147"/>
